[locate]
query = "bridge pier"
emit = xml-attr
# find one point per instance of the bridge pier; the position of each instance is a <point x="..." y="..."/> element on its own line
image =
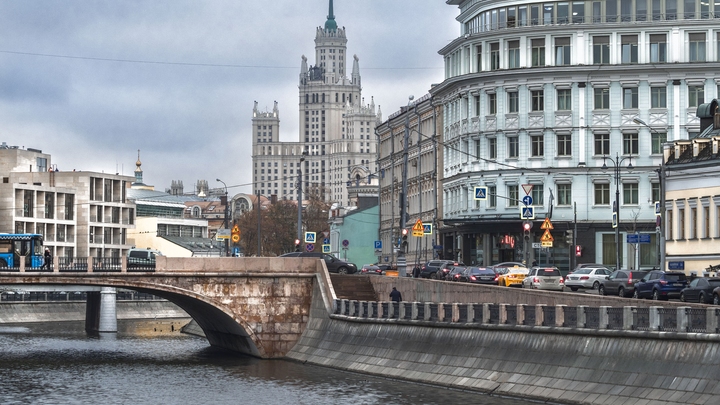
<point x="101" y="311"/>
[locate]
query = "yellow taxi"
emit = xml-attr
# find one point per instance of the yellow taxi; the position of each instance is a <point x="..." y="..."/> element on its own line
<point x="511" y="276"/>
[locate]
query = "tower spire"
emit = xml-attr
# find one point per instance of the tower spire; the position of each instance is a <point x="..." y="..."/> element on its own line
<point x="330" y="24"/>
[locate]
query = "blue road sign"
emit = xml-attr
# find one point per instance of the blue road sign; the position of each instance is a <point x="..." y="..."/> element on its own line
<point x="657" y="208"/>
<point x="378" y="244"/>
<point x="326" y="241"/>
<point x="309" y="237"/>
<point x="633" y="238"/>
<point x="309" y="247"/>
<point x="345" y="243"/>
<point x="527" y="200"/>
<point x="676" y="265"/>
<point x="427" y="229"/>
<point x="481" y="193"/>
<point x="527" y="212"/>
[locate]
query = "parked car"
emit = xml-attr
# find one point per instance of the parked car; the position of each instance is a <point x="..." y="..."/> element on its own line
<point x="507" y="265"/>
<point x="586" y="277"/>
<point x="371" y="269"/>
<point x="544" y="278"/>
<point x="455" y="273"/>
<point x="621" y="283"/>
<point x="661" y="285"/>
<point x="479" y="275"/>
<point x="700" y="290"/>
<point x="583" y="265"/>
<point x="513" y="276"/>
<point x="333" y="264"/>
<point x="142" y="257"/>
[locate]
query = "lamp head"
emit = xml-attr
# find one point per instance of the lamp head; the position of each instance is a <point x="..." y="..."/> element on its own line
<point x="604" y="166"/>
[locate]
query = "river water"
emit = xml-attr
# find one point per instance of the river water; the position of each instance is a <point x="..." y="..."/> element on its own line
<point x="59" y="364"/>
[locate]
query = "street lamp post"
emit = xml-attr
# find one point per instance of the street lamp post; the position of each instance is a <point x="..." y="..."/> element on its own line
<point x="661" y="178"/>
<point x="299" y="198"/>
<point x="616" y="163"/>
<point x="225" y="219"/>
<point x="402" y="263"/>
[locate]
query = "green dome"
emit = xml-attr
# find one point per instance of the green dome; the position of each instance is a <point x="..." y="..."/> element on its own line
<point x="330" y="24"/>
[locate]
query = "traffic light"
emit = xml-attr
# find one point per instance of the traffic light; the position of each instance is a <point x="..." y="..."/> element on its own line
<point x="578" y="251"/>
<point x="569" y="237"/>
<point x="527" y="226"/>
<point x="297" y="245"/>
<point x="404" y="243"/>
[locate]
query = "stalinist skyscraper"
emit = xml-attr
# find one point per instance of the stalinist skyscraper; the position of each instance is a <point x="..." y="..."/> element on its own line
<point x="336" y="144"/>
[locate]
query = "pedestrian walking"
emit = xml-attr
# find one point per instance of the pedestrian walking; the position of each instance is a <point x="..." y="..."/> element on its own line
<point x="416" y="272"/>
<point x="48" y="259"/>
<point x="395" y="295"/>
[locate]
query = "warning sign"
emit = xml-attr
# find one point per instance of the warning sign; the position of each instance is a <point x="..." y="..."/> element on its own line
<point x="418" y="229"/>
<point x="547" y="237"/>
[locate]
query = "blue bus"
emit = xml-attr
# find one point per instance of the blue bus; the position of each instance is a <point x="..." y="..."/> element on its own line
<point x="15" y="245"/>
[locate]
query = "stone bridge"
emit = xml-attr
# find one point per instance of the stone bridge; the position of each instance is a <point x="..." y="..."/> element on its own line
<point x="255" y="306"/>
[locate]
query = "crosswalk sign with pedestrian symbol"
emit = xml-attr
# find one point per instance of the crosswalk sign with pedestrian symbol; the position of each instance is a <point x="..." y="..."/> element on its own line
<point x="309" y="237"/>
<point x="527" y="212"/>
<point x="481" y="193"/>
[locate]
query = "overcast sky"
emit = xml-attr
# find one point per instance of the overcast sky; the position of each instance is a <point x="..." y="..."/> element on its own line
<point x="91" y="82"/>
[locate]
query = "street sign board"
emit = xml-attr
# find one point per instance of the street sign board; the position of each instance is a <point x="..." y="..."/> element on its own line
<point x="309" y="247"/>
<point x="527" y="200"/>
<point x="638" y="238"/>
<point x="644" y="238"/>
<point x="614" y="220"/>
<point x="418" y="229"/>
<point x="547" y="224"/>
<point x="527" y="188"/>
<point x="536" y="245"/>
<point x="481" y="193"/>
<point x="547" y="244"/>
<point x="527" y="212"/>
<point x="378" y="244"/>
<point x="326" y="241"/>
<point x="657" y="208"/>
<point x="345" y="243"/>
<point x="427" y="229"/>
<point x="676" y="265"/>
<point x="223" y="234"/>
<point x="547" y="237"/>
<point x="326" y="248"/>
<point x="309" y="237"/>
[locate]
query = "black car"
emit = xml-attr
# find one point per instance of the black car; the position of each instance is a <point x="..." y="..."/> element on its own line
<point x="455" y="273"/>
<point x="479" y="275"/>
<point x="333" y="264"/>
<point x="437" y="269"/>
<point x="700" y="290"/>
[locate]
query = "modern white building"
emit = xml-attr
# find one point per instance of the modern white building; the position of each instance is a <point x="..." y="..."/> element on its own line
<point x="543" y="94"/>
<point x="335" y="128"/>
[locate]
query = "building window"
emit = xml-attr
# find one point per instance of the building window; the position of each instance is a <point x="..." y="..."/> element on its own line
<point x="538" y="52"/>
<point x="564" y="99"/>
<point x="602" y="98"/>
<point x="630" y="97"/>
<point x="537" y="145"/>
<point x="492" y="103"/>
<point x="538" y="100"/>
<point x="658" y="48"/>
<point x="492" y="148"/>
<point x="630" y="193"/>
<point x="655" y="191"/>
<point x="564" y="145"/>
<point x="629" y="48"/>
<point x="602" y="144"/>
<point x="681" y="224"/>
<point x="696" y="96"/>
<point x="697" y="47"/>
<point x="513" y="147"/>
<point x="494" y="56"/>
<point x="602" y="194"/>
<point x="658" y="97"/>
<point x="478" y="59"/>
<point x="562" y="51"/>
<point x="601" y="50"/>
<point x="513" y="102"/>
<point x="476" y="100"/>
<point x="538" y="195"/>
<point x="630" y="144"/>
<point x="512" y="192"/>
<point x="564" y="192"/>
<point x="492" y="196"/>
<point x="513" y="54"/>
<point x="657" y="140"/>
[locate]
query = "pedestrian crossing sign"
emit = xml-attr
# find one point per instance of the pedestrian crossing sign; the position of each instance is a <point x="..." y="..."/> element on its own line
<point x="481" y="193"/>
<point x="309" y="237"/>
<point x="527" y="212"/>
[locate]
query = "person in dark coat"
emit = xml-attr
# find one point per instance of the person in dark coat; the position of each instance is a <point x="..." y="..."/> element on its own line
<point x="395" y="295"/>
<point x="416" y="272"/>
<point x="48" y="259"/>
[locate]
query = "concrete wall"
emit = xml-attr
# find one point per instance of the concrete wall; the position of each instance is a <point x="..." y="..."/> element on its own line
<point x="575" y="367"/>
<point x="28" y="312"/>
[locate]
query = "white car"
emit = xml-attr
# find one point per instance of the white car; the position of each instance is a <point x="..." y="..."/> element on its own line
<point x="544" y="278"/>
<point x="587" y="277"/>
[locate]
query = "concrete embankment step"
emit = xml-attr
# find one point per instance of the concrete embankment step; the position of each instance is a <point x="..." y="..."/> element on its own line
<point x="353" y="287"/>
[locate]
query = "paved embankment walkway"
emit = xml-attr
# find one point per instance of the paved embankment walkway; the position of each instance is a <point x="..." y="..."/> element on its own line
<point x="577" y="367"/>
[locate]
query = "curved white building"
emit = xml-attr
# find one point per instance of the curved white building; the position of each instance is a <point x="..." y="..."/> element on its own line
<point x="545" y="93"/>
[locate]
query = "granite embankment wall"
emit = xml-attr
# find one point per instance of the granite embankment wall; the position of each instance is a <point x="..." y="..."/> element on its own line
<point x="22" y="312"/>
<point x="567" y="366"/>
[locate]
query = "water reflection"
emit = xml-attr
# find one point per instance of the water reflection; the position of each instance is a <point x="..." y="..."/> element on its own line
<point x="42" y="366"/>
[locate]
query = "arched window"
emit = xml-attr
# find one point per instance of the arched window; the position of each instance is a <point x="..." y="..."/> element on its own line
<point x="196" y="212"/>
